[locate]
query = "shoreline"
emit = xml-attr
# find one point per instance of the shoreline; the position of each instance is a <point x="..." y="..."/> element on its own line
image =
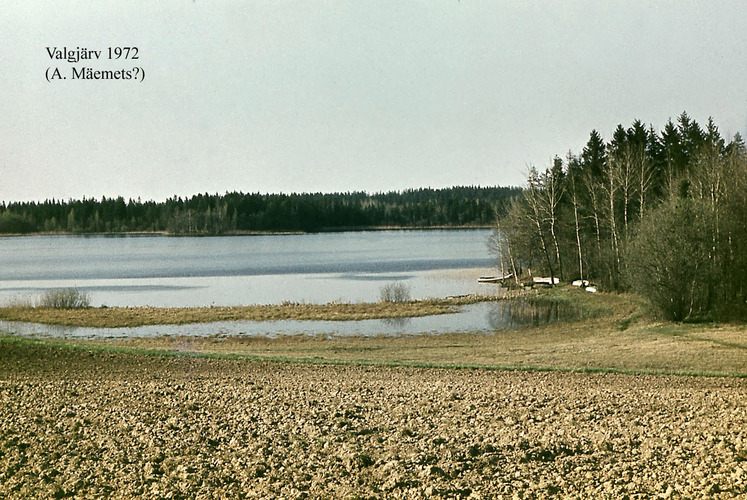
<point x="614" y="335"/>
<point x="350" y="229"/>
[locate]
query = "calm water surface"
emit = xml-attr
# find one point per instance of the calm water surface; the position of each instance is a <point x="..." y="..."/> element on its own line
<point x="314" y="268"/>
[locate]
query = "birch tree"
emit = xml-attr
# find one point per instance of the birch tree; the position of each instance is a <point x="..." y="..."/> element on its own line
<point x="552" y="190"/>
<point x="573" y="185"/>
<point x="537" y="215"/>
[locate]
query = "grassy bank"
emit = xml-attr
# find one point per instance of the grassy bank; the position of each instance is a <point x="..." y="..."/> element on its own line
<point x="616" y="336"/>
<point x="648" y="349"/>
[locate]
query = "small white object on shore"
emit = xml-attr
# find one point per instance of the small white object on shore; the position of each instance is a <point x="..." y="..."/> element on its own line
<point x="546" y="281"/>
<point x="494" y="279"/>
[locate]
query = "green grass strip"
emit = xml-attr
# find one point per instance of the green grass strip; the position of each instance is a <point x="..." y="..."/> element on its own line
<point x="67" y="345"/>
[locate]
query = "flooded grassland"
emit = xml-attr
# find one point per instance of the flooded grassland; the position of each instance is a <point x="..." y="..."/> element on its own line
<point x="562" y="329"/>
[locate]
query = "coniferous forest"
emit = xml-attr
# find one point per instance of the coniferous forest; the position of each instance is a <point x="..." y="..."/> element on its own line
<point x="663" y="214"/>
<point x="231" y="213"/>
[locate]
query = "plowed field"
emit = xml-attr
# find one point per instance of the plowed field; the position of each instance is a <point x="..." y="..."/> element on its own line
<point x="88" y="425"/>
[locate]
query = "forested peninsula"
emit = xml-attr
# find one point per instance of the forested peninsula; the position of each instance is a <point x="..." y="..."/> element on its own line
<point x="662" y="214"/>
<point x="237" y="213"/>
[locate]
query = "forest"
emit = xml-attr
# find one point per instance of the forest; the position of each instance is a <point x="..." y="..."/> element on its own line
<point x="232" y="213"/>
<point x="663" y="214"/>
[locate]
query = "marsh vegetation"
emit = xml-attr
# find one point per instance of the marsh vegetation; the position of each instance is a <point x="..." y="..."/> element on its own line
<point x="116" y="317"/>
<point x="64" y="298"/>
<point x="557" y="329"/>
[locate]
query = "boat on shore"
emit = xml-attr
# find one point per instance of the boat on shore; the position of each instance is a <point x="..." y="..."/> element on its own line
<point x="494" y="279"/>
<point x="545" y="281"/>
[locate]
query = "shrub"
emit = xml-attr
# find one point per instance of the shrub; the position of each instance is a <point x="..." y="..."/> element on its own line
<point x="668" y="259"/>
<point x="395" y="292"/>
<point x="65" y="298"/>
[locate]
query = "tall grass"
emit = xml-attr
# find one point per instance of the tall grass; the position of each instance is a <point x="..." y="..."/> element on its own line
<point x="65" y="298"/>
<point x="395" y="292"/>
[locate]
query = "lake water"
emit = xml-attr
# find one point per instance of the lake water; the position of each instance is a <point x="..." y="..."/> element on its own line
<point x="137" y="270"/>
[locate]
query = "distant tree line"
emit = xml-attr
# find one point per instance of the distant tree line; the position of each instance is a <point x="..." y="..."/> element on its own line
<point x="660" y="213"/>
<point x="214" y="214"/>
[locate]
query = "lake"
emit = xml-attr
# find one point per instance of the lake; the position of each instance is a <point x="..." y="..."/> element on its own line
<point x="162" y="271"/>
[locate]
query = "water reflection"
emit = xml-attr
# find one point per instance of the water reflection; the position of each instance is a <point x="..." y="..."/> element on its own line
<point x="486" y="317"/>
<point x="518" y="313"/>
<point x="400" y="323"/>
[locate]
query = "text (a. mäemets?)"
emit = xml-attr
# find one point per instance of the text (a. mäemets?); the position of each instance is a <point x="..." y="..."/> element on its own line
<point x="82" y="53"/>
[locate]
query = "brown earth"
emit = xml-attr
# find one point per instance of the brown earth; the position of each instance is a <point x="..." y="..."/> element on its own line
<point x="90" y="424"/>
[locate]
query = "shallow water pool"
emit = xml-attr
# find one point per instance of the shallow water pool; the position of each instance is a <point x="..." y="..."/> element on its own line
<point x="485" y="317"/>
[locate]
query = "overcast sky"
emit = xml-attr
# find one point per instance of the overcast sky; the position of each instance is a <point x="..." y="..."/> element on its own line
<point x="271" y="96"/>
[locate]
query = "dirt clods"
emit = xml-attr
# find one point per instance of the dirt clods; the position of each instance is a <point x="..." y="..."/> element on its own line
<point x="75" y="424"/>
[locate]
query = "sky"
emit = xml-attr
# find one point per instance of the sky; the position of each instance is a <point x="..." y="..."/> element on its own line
<point x="333" y="96"/>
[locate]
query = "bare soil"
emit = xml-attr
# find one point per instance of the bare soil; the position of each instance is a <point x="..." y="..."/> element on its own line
<point x="93" y="424"/>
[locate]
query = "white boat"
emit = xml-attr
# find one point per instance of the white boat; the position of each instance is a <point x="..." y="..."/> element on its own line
<point x="494" y="279"/>
<point x="545" y="281"/>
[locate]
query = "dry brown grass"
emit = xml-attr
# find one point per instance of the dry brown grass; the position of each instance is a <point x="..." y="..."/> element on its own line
<point x="113" y="317"/>
<point x="645" y="348"/>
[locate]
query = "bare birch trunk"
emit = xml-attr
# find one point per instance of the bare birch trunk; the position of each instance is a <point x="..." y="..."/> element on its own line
<point x="537" y="217"/>
<point x="574" y="199"/>
<point x="611" y="189"/>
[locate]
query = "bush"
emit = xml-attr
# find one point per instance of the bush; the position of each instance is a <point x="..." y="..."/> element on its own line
<point x="65" y="298"/>
<point x="395" y="292"/>
<point x="668" y="259"/>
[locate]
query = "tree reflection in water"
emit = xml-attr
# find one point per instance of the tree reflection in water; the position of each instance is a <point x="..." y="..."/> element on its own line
<point x="397" y="322"/>
<point x="518" y="313"/>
